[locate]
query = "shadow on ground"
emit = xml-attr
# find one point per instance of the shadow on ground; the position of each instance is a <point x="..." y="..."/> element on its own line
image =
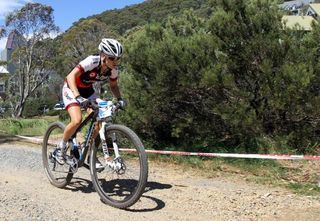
<point x="86" y="186"/>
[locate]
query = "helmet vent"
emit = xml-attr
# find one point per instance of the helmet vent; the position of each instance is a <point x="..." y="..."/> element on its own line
<point x="111" y="47"/>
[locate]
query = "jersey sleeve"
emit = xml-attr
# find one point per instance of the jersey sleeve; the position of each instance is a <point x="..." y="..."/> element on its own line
<point x="89" y="63"/>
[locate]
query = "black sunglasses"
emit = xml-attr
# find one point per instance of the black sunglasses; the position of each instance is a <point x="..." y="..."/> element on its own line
<point x="113" y="58"/>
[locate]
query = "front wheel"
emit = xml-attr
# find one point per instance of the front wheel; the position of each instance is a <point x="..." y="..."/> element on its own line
<point x="120" y="186"/>
<point x="58" y="175"/>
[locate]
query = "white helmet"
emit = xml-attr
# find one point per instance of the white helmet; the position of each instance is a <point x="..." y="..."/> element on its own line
<point x="111" y="47"/>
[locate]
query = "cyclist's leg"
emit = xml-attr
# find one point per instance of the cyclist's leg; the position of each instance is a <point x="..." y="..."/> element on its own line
<point x="75" y="120"/>
<point x="74" y="111"/>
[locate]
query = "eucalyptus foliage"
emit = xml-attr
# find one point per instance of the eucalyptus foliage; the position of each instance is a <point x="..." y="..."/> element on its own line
<point x="235" y="80"/>
<point x="33" y="57"/>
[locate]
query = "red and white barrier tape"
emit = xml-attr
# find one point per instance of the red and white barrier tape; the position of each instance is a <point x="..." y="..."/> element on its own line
<point x="32" y="139"/>
<point x="226" y="155"/>
<point x="233" y="155"/>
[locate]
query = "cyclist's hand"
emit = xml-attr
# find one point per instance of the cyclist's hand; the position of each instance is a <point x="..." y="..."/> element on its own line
<point x="82" y="101"/>
<point x="122" y="103"/>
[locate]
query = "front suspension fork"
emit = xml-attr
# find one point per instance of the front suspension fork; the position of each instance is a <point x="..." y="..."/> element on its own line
<point x="104" y="142"/>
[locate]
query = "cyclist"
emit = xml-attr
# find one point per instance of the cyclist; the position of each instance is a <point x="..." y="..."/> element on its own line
<point x="78" y="86"/>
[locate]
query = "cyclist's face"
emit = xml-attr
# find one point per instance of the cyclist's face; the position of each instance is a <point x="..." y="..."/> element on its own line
<point x="110" y="62"/>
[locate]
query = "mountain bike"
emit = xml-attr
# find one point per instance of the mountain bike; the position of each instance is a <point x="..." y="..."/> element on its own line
<point x="120" y="182"/>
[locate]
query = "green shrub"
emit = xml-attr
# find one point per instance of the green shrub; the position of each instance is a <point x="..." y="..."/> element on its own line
<point x="64" y="116"/>
<point x="36" y="107"/>
<point x="53" y="112"/>
<point x="31" y="127"/>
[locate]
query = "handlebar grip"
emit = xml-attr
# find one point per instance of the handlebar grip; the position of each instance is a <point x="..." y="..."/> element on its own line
<point x="118" y="105"/>
<point x="94" y="105"/>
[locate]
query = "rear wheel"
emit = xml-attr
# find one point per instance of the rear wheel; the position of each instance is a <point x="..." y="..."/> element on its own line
<point x="122" y="186"/>
<point x="58" y="175"/>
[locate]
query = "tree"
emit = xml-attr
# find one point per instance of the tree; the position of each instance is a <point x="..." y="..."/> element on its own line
<point x="238" y="79"/>
<point x="266" y="74"/>
<point x="2" y="32"/>
<point x="168" y="99"/>
<point x="34" y="22"/>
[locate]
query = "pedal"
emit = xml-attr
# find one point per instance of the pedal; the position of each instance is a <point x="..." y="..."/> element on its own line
<point x="73" y="163"/>
<point x="51" y="158"/>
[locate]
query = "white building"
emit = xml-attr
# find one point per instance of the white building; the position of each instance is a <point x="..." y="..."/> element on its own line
<point x="295" y="6"/>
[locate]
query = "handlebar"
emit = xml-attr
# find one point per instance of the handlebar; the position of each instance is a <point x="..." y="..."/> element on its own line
<point x="94" y="105"/>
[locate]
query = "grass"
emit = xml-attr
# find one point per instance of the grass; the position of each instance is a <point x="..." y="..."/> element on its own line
<point x="305" y="189"/>
<point x="301" y="177"/>
<point x="28" y="127"/>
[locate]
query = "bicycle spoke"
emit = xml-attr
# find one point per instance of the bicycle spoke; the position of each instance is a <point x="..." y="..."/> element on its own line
<point x="123" y="185"/>
<point x="58" y="175"/>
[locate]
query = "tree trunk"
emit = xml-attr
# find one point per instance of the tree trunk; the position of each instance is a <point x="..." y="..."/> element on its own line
<point x="19" y="108"/>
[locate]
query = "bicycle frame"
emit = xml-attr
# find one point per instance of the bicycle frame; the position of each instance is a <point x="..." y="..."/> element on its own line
<point x="84" y="147"/>
<point x="108" y="176"/>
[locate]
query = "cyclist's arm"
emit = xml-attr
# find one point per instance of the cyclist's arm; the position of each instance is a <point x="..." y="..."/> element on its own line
<point x="114" y="88"/>
<point x="71" y="79"/>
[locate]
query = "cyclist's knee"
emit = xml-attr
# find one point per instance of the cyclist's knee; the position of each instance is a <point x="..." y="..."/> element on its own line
<point x="75" y="116"/>
<point x="76" y="122"/>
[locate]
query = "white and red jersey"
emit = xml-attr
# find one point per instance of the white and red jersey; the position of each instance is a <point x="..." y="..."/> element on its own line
<point x="90" y="72"/>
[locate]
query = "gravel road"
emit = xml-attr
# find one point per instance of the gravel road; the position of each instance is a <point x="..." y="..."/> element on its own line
<point x="172" y="194"/>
